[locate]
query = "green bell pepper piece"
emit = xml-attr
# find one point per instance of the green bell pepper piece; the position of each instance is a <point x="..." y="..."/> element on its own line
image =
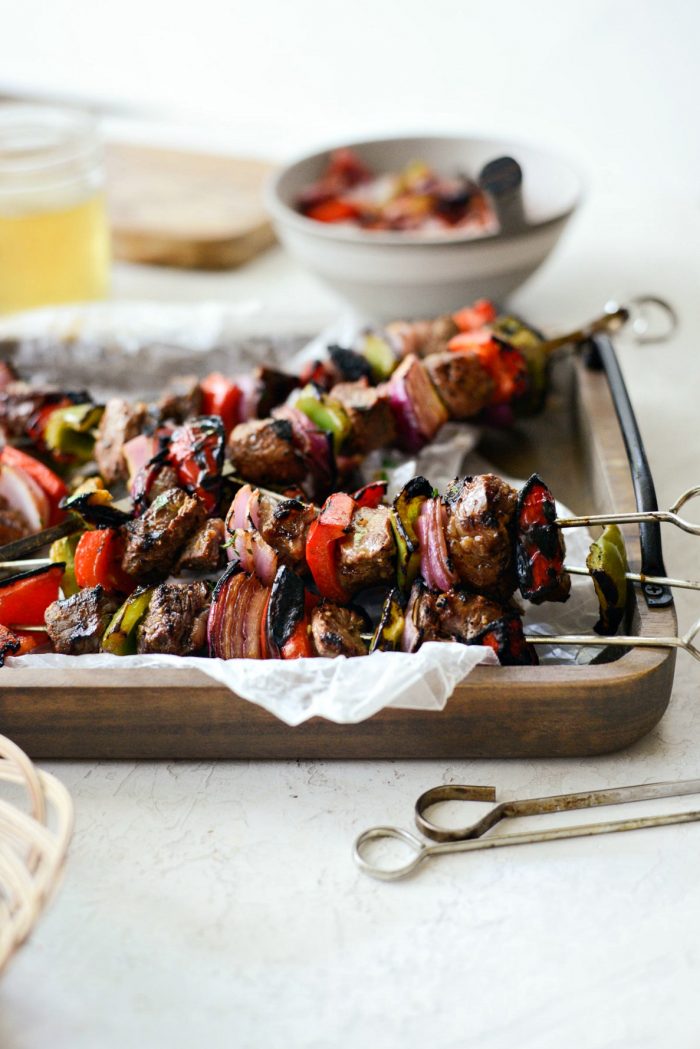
<point x="325" y="413"/>
<point x="70" y="430"/>
<point x="407" y="506"/>
<point x="524" y="339"/>
<point x="120" y="636"/>
<point x="387" y="636"/>
<point x="379" y="355"/>
<point x="63" y="550"/>
<point x="607" y="563"/>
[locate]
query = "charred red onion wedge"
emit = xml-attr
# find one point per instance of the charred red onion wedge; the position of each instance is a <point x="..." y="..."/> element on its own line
<point x="434" y="561"/>
<point x="244" y="510"/>
<point x="137" y="453"/>
<point x="235" y="628"/>
<point x="418" y="410"/>
<point x="253" y="554"/>
<point x="314" y="445"/>
<point x="411" y="636"/>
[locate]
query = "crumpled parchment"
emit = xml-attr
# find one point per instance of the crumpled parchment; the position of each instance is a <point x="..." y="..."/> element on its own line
<point x="151" y="342"/>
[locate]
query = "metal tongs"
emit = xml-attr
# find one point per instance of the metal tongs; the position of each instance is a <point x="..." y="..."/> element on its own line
<point x="471" y="838"/>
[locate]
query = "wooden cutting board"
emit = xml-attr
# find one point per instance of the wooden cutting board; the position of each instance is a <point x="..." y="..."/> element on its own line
<point x="193" y="210"/>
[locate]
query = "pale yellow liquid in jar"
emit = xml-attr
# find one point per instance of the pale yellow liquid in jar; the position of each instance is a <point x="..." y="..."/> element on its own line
<point x="54" y="255"/>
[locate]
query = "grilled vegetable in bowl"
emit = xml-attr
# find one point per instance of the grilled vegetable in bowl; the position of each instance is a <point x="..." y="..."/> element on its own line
<point x="416" y="198"/>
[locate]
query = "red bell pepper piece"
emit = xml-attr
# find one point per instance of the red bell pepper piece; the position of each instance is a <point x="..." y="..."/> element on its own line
<point x="473" y="317"/>
<point x="298" y="644"/>
<point x="324" y="535"/>
<point x="98" y="558"/>
<point x="24" y="598"/>
<point x="19" y="642"/>
<point x="196" y="453"/>
<point x="333" y="210"/>
<point x="506" y="365"/>
<point x="371" y="495"/>
<point x="37" y="424"/>
<point x="49" y="482"/>
<point x="222" y="397"/>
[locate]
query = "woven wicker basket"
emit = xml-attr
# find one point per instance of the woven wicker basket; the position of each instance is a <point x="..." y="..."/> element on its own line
<point x="33" y="846"/>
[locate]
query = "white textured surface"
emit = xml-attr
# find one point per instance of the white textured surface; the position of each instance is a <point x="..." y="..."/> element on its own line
<point x="218" y="905"/>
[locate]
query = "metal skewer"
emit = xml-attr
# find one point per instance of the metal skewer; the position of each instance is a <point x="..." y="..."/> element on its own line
<point x="639" y="517"/>
<point x="616" y="317"/>
<point x="637" y="577"/>
<point x="622" y="641"/>
<point x="472" y="839"/>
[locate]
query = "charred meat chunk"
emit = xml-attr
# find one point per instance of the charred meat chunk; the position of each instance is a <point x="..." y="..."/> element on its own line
<point x="203" y="551"/>
<point x="285" y="526"/>
<point x="422" y="337"/>
<point x="163" y="478"/>
<point x="349" y="364"/>
<point x="176" y="621"/>
<point x="154" y="540"/>
<point x="371" y="418"/>
<point x="272" y="387"/>
<point x="471" y="619"/>
<point x="464" y="385"/>
<point x="366" y="556"/>
<point x="456" y="615"/>
<point x="181" y="400"/>
<point x="76" y="624"/>
<point x="337" y="631"/>
<point x="263" y="451"/>
<point x="121" y="420"/>
<point x="480" y="534"/>
<point x="13" y="524"/>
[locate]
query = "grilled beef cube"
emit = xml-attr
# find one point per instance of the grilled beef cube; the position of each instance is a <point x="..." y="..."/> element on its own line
<point x="13" y="524"/>
<point x="273" y="387"/>
<point x="203" y="551"/>
<point x="366" y="556"/>
<point x="263" y="452"/>
<point x="20" y="401"/>
<point x="480" y="534"/>
<point x="285" y="527"/>
<point x="371" y="418"/>
<point x="456" y="615"/>
<point x="120" y="422"/>
<point x="422" y="337"/>
<point x="165" y="478"/>
<point x="464" y="385"/>
<point x="154" y="540"/>
<point x="76" y="624"/>
<point x="176" y="621"/>
<point x="336" y="631"/>
<point x="181" y="400"/>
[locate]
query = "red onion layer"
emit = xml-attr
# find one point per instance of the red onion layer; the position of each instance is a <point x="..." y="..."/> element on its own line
<point x="434" y="562"/>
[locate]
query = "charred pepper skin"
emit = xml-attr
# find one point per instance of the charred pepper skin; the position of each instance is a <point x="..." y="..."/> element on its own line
<point x="539" y="546"/>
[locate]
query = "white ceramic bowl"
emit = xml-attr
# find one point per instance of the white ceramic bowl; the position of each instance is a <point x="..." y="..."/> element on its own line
<point x="397" y="274"/>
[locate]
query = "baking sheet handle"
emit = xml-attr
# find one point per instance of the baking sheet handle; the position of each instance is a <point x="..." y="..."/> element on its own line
<point x="601" y="355"/>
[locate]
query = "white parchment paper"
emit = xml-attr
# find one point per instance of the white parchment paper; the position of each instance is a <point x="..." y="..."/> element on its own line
<point x="150" y="342"/>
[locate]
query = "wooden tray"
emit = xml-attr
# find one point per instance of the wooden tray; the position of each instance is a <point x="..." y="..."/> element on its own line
<point x="548" y="711"/>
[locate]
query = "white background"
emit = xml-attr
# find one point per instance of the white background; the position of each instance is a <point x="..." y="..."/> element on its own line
<point x="218" y="904"/>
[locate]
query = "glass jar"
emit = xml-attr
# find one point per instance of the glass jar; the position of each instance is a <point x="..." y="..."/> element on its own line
<point x="54" y="235"/>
